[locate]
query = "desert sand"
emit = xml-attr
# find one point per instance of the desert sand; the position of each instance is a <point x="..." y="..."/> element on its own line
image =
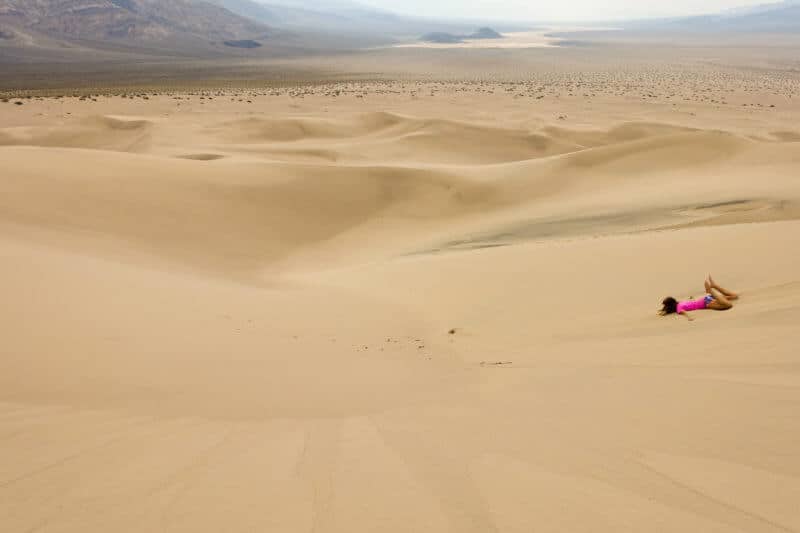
<point x="402" y="306"/>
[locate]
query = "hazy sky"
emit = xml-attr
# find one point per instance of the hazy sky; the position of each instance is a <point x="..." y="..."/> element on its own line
<point x="556" y="9"/>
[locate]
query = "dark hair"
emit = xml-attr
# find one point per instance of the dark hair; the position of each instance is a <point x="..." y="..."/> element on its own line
<point x="669" y="306"/>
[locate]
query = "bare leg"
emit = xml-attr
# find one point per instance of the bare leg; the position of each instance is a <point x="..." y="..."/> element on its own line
<point x="708" y="286"/>
<point x="730" y="295"/>
<point x="721" y="302"/>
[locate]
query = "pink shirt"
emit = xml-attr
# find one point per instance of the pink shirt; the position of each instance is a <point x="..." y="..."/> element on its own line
<point x="691" y="305"/>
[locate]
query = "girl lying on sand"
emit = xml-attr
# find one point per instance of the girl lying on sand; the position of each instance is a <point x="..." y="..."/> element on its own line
<point x="716" y="298"/>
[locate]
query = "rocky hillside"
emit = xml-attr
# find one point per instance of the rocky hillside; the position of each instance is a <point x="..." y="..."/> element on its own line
<point x="128" y="20"/>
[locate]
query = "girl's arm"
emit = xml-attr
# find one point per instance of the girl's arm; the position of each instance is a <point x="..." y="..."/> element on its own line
<point x="687" y="315"/>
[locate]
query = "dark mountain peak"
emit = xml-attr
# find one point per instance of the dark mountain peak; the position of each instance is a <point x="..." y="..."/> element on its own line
<point x="486" y="33"/>
<point x="450" y="38"/>
<point x="440" y="37"/>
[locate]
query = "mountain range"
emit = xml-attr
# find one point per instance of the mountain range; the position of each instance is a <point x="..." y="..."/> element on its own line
<point x="203" y="28"/>
<point x="199" y="27"/>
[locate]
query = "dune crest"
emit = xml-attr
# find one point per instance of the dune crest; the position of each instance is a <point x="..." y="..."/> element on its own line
<point x="297" y="184"/>
<point x="93" y="132"/>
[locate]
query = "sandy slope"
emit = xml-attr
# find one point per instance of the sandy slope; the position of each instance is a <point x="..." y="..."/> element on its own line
<point x="238" y="318"/>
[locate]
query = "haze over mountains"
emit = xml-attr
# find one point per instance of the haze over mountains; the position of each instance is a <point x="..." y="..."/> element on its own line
<point x="340" y="17"/>
<point x="201" y="28"/>
<point x="776" y="17"/>
<point x="314" y="15"/>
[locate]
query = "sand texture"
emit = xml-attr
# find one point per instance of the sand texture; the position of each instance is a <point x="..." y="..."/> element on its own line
<point x="399" y="307"/>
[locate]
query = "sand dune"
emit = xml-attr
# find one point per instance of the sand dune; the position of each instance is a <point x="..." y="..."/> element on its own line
<point x="210" y="214"/>
<point x="423" y="318"/>
<point x="388" y="137"/>
<point x="95" y="132"/>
